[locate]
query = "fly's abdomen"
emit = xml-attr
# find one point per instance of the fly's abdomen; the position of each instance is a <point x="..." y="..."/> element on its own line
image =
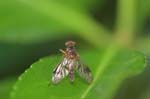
<point x="71" y="75"/>
<point x="71" y="66"/>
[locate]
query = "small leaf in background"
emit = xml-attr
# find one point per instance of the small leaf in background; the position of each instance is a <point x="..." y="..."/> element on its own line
<point x="33" y="83"/>
<point x="20" y="23"/>
<point x="30" y="21"/>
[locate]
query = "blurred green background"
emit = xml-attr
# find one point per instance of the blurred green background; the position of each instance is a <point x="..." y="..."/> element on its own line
<point x="31" y="29"/>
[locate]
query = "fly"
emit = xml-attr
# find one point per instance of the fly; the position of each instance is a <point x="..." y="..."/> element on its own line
<point x="70" y="64"/>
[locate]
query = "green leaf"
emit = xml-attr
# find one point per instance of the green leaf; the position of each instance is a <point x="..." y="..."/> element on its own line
<point x="144" y="44"/>
<point x="34" y="82"/>
<point x="6" y="86"/>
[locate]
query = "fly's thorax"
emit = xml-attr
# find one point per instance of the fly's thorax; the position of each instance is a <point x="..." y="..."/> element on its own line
<point x="71" y="52"/>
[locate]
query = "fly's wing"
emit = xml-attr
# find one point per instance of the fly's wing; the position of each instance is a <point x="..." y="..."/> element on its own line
<point x="84" y="72"/>
<point x="60" y="71"/>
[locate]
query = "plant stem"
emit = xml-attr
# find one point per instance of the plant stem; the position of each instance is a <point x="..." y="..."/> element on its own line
<point x="126" y="22"/>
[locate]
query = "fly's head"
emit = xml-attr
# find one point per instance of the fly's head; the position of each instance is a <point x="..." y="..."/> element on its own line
<point x="70" y="44"/>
